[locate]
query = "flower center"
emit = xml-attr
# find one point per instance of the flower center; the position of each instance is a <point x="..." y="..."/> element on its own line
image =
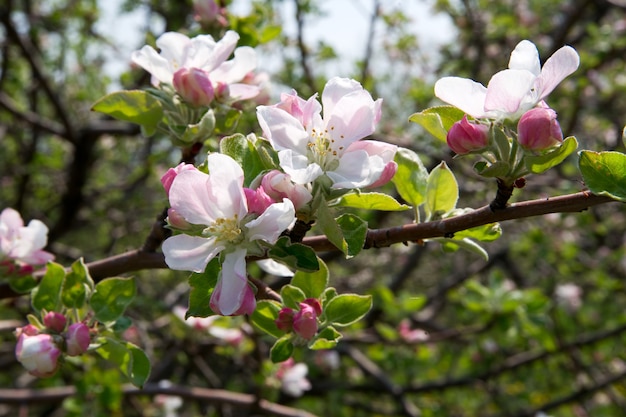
<point x="225" y="229"/>
<point x="323" y="149"/>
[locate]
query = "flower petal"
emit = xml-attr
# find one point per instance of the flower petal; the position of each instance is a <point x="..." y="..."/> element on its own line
<point x="334" y="90"/>
<point x="507" y="90"/>
<point x="155" y="64"/>
<point x="226" y="187"/>
<point x="190" y="197"/>
<point x="353" y="117"/>
<point x="230" y="290"/>
<point x="190" y="253"/>
<point x="298" y="167"/>
<point x="463" y="93"/>
<point x="282" y="129"/>
<point x="236" y="69"/>
<point x="561" y="64"/>
<point x="525" y="57"/>
<point x="357" y="169"/>
<point x="275" y="219"/>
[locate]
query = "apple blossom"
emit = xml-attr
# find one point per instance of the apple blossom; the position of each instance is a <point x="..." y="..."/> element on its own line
<point x="77" y="339"/>
<point x="278" y="185"/>
<point x="305" y="319"/>
<point x="538" y="129"/>
<point x="54" y="321"/>
<point x="38" y="353"/>
<point x="293" y="378"/>
<point x="23" y="244"/>
<point x="204" y="53"/>
<point x="217" y="203"/>
<point x="284" y="321"/>
<point x="168" y="178"/>
<point x="310" y="145"/>
<point x="464" y="137"/>
<point x="194" y="86"/>
<point x="513" y="91"/>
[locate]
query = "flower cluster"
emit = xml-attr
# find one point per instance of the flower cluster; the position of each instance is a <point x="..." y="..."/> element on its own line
<point x="303" y="322"/>
<point x="40" y="350"/>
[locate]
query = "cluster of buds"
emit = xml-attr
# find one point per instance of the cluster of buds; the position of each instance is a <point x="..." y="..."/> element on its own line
<point x="302" y="322"/>
<point x="40" y="350"/>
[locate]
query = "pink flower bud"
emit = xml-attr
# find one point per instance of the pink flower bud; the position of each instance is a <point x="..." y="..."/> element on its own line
<point x="55" y="321"/>
<point x="538" y="129"/>
<point x="284" y="321"/>
<point x="38" y="354"/>
<point x="258" y="200"/>
<point x="77" y="339"/>
<point x="194" y="86"/>
<point x="305" y="321"/>
<point x="279" y="185"/>
<point x="464" y="137"/>
<point x="315" y="303"/>
<point x="208" y="11"/>
<point x="168" y="178"/>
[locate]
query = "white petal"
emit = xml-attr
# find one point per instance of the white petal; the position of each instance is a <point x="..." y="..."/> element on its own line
<point x="282" y="130"/>
<point x="236" y="69"/>
<point x="334" y="90"/>
<point x="507" y="90"/>
<point x="356" y="169"/>
<point x="226" y="187"/>
<point x="233" y="281"/>
<point x="525" y="57"/>
<point x="561" y="64"/>
<point x="243" y="91"/>
<point x="354" y="117"/>
<point x="155" y="64"/>
<point x="275" y="268"/>
<point x="299" y="168"/>
<point x="190" y="197"/>
<point x="462" y="93"/>
<point x="190" y="253"/>
<point x="275" y="219"/>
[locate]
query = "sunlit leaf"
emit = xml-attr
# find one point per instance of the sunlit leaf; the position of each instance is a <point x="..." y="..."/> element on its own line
<point x="541" y="163"/>
<point x="111" y="297"/>
<point x="295" y="255"/>
<point x="438" y="120"/>
<point x="345" y="309"/>
<point x="411" y="177"/>
<point x="282" y="349"/>
<point x="354" y="231"/>
<point x="314" y="283"/>
<point x="604" y="173"/>
<point x="202" y="286"/>
<point x="264" y="317"/>
<point x="47" y="296"/>
<point x="371" y="201"/>
<point x="442" y="191"/>
<point x="134" y="106"/>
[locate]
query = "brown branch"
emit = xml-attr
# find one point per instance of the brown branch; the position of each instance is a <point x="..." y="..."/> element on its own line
<point x="215" y="396"/>
<point x="31" y="117"/>
<point x="304" y="53"/>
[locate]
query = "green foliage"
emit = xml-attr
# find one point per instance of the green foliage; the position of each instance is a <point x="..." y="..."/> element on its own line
<point x="411" y="177"/>
<point x="135" y="106"/>
<point x="295" y="255"/>
<point x="438" y="120"/>
<point x="442" y="192"/>
<point x="314" y="283"/>
<point x="111" y="298"/>
<point x="131" y="360"/>
<point x="346" y="309"/>
<point x="202" y="286"/>
<point x="541" y="163"/>
<point x="604" y="173"/>
<point x="371" y="201"/>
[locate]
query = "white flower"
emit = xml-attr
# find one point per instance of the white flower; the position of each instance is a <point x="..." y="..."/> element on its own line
<point x="23" y="244"/>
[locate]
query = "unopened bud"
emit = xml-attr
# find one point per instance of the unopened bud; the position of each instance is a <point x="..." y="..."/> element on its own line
<point x="55" y="321"/>
<point x="38" y="354"/>
<point x="284" y="321"/>
<point x="278" y="185"/>
<point x="465" y="137"/>
<point x="194" y="86"/>
<point x="539" y="130"/>
<point x="305" y="320"/>
<point x="77" y="339"/>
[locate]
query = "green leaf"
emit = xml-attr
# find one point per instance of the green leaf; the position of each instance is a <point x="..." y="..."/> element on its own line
<point x="292" y="296"/>
<point x="47" y="295"/>
<point x="346" y="309"/>
<point x="23" y="284"/>
<point x="131" y="360"/>
<point x="411" y="177"/>
<point x="111" y="298"/>
<point x="295" y="255"/>
<point x="484" y="233"/>
<point x="243" y="150"/>
<point x="326" y="339"/>
<point x="354" y="231"/>
<point x="442" y="192"/>
<point x="452" y="245"/>
<point x="438" y="120"/>
<point x="134" y="106"/>
<point x="331" y="229"/>
<point x="264" y="317"/>
<point x="201" y="130"/>
<point x="282" y="349"/>
<point x="371" y="201"/>
<point x="604" y="173"/>
<point x="226" y="121"/>
<point x="498" y="169"/>
<point x="541" y="163"/>
<point x="77" y="285"/>
<point x="202" y="286"/>
<point x="312" y="284"/>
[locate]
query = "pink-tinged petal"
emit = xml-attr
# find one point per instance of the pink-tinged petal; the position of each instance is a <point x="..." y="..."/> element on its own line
<point x="463" y="93"/>
<point x="173" y="46"/>
<point x="151" y="61"/>
<point x="226" y="187"/>
<point x="354" y="117"/>
<point x="525" y="57"/>
<point x="236" y="69"/>
<point x="275" y="268"/>
<point x="298" y="167"/>
<point x="230" y="291"/>
<point x="168" y="178"/>
<point x="10" y="219"/>
<point x="189" y="196"/>
<point x="507" y="90"/>
<point x="386" y="151"/>
<point x="282" y="130"/>
<point x="240" y="91"/>
<point x="190" y="253"/>
<point x="561" y="64"/>
<point x="77" y="339"/>
<point x="334" y="90"/>
<point x="356" y="169"/>
<point x="275" y="219"/>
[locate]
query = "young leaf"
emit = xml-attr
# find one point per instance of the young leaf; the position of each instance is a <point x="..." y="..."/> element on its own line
<point x="437" y="120"/>
<point x="604" y="173"/>
<point x="202" y="286"/>
<point x="242" y="150"/>
<point x="346" y="309"/>
<point x="411" y="177"/>
<point x="498" y="169"/>
<point x="23" y="284"/>
<point x="292" y="296"/>
<point x="131" y="360"/>
<point x="111" y="298"/>
<point x="326" y="339"/>
<point x="140" y="366"/>
<point x="442" y="191"/>
<point x="331" y="229"/>
<point x="452" y="245"/>
<point x="312" y="284"/>
<point x="77" y="285"/>
<point x="541" y="163"/>
<point x="47" y="295"/>
<point x="134" y="106"/>
<point x="264" y="317"/>
<point x="282" y="349"/>
<point x="295" y="255"/>
<point x="371" y="201"/>
<point x="199" y="131"/>
<point x="354" y="231"/>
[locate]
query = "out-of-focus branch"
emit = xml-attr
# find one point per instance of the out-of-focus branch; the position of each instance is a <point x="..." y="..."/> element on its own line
<point x="369" y="47"/>
<point x="30" y="117"/>
<point x="213" y="396"/>
<point x="304" y="53"/>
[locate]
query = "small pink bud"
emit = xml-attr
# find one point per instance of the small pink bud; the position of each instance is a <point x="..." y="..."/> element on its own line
<point x="464" y="137"/>
<point x="38" y="354"/>
<point x="55" y="321"/>
<point x="258" y="200"/>
<point x="315" y="303"/>
<point x="77" y="339"/>
<point x="305" y="321"/>
<point x="278" y="185"/>
<point x="539" y="130"/>
<point x="168" y="178"/>
<point x="194" y="86"/>
<point x="284" y="321"/>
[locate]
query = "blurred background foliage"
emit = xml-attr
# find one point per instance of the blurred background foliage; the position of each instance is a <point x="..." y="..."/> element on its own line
<point x="539" y="328"/>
